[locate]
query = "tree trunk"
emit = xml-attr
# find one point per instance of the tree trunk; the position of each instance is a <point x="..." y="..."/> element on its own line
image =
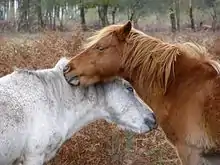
<point x="113" y="15"/>
<point x="177" y="6"/>
<point x="100" y="14"/>
<point x="10" y="9"/>
<point x="27" y="7"/>
<point x="6" y="8"/>
<point x="191" y="16"/>
<point x="61" y="19"/>
<point x="16" y="14"/>
<point x="136" y="23"/>
<point x="23" y="22"/>
<point x="54" y="17"/>
<point x="132" y="15"/>
<point x="11" y="15"/>
<point x="214" y="19"/>
<point x="128" y="13"/>
<point x="50" y="19"/>
<point x="1" y="14"/>
<point x="172" y="20"/>
<point x="103" y="14"/>
<point x="12" y="12"/>
<point x="82" y="15"/>
<point x="41" y="23"/>
<point x="57" y="11"/>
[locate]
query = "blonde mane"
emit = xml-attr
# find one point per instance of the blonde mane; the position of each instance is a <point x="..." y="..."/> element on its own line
<point x="107" y="31"/>
<point x="143" y="53"/>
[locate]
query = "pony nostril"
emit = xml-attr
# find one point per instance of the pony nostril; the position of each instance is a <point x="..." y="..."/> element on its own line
<point x="66" y="68"/>
<point x="154" y="117"/>
<point x="151" y="122"/>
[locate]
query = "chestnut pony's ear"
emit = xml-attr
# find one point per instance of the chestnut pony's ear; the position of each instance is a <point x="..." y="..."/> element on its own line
<point x="123" y="32"/>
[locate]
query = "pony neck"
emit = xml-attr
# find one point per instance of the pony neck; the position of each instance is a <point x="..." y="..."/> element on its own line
<point x="84" y="116"/>
<point x="87" y="106"/>
<point x="188" y="74"/>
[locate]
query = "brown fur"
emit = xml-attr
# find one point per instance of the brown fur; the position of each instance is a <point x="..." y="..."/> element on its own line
<point x="179" y="81"/>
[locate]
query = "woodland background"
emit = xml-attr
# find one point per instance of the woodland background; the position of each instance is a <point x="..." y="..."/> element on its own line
<point x="37" y="33"/>
<point x="35" y="15"/>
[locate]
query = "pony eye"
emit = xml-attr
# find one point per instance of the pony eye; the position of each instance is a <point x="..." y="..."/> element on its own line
<point x="130" y="89"/>
<point x="99" y="48"/>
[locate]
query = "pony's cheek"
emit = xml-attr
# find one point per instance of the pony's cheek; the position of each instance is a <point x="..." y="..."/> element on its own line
<point x="95" y="68"/>
<point x="89" y="80"/>
<point x="93" y="64"/>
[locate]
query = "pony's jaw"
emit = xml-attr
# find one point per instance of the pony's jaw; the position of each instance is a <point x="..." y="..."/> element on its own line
<point x="141" y="129"/>
<point x="125" y="127"/>
<point x="81" y="80"/>
<point x="89" y="80"/>
<point x="91" y="67"/>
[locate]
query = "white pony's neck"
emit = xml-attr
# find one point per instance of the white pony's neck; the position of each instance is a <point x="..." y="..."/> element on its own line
<point x="78" y="106"/>
<point x="75" y="106"/>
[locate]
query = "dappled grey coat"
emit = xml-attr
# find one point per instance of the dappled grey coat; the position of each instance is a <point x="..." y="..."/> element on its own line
<point x="39" y="111"/>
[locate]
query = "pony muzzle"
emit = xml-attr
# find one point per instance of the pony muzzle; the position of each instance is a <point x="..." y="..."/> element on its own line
<point x="66" y="69"/>
<point x="151" y="122"/>
<point x="72" y="80"/>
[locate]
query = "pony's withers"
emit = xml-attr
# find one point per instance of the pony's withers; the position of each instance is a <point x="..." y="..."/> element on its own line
<point x="179" y="81"/>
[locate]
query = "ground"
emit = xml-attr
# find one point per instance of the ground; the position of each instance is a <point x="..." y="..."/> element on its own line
<point x="99" y="143"/>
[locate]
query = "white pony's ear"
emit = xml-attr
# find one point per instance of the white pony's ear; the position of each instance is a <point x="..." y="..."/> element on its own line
<point x="61" y="63"/>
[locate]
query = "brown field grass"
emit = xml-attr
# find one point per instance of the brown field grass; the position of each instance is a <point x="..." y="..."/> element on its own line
<point x="99" y="143"/>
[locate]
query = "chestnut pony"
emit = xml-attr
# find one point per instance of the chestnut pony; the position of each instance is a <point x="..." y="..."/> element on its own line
<point x="180" y="82"/>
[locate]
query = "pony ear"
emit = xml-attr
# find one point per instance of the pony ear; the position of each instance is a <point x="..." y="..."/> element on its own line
<point x="123" y="32"/>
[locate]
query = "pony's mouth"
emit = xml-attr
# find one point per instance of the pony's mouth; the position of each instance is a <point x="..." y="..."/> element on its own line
<point x="73" y="80"/>
<point x="130" y="128"/>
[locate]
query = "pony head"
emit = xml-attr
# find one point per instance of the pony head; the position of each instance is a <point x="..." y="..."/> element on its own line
<point x="115" y="101"/>
<point x="101" y="58"/>
<point x="125" y="108"/>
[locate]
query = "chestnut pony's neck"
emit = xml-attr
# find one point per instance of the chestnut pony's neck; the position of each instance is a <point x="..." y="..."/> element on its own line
<point x="156" y="68"/>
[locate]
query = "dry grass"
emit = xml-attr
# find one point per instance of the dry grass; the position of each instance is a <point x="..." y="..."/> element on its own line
<point x="99" y="143"/>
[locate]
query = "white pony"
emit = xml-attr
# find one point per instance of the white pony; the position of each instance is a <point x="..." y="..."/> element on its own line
<point x="39" y="111"/>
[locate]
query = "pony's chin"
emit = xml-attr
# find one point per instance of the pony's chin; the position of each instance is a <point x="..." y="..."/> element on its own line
<point x="129" y="128"/>
<point x="133" y="130"/>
